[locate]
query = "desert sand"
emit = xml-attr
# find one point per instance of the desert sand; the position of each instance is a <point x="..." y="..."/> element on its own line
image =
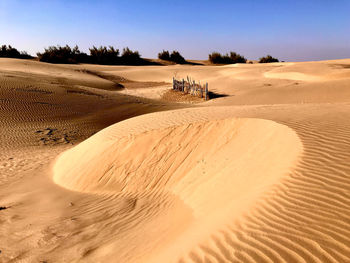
<point x="96" y="166"/>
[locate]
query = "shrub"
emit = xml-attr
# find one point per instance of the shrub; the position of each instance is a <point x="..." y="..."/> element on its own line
<point x="25" y="55"/>
<point x="217" y="58"/>
<point x="104" y="55"/>
<point x="164" y="55"/>
<point x="237" y="58"/>
<point x="10" y="52"/>
<point x="268" y="59"/>
<point x="177" y="58"/>
<point x="98" y="55"/>
<point x="110" y="56"/>
<point x="64" y="55"/>
<point x="130" y="57"/>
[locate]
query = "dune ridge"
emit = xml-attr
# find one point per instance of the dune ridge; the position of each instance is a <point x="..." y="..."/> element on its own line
<point x="161" y="153"/>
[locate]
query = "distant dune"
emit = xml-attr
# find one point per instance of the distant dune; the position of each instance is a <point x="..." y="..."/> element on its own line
<point x="95" y="166"/>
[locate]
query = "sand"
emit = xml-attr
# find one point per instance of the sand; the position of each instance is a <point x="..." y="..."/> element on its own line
<point x="95" y="166"/>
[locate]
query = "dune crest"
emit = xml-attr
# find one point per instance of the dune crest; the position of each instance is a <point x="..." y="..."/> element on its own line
<point x="168" y="158"/>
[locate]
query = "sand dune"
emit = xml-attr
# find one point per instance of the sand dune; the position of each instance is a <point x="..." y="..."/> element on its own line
<point x="148" y="161"/>
<point x="203" y="164"/>
<point x="255" y="84"/>
<point x="312" y="71"/>
<point x="261" y="174"/>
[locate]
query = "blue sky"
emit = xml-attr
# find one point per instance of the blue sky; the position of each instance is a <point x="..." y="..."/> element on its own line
<point x="289" y="30"/>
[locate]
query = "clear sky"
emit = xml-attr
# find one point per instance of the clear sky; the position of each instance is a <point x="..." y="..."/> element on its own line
<point x="296" y="30"/>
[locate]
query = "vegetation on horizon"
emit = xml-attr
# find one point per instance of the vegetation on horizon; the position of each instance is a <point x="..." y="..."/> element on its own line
<point x="164" y="55"/>
<point x="111" y="56"/>
<point x="268" y="59"/>
<point x="98" y="55"/>
<point x="232" y="58"/>
<point x="175" y="56"/>
<point x="11" y="52"/>
<point x="131" y="57"/>
<point x="62" y="55"/>
<point x="104" y="55"/>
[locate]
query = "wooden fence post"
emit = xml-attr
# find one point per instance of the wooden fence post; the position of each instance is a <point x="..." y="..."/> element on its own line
<point x="194" y="88"/>
<point x="188" y="89"/>
<point x="206" y="91"/>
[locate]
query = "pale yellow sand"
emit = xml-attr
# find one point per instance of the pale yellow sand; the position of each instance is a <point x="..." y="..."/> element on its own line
<point x="259" y="174"/>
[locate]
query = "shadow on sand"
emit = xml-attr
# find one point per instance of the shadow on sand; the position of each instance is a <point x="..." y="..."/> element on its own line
<point x="215" y="95"/>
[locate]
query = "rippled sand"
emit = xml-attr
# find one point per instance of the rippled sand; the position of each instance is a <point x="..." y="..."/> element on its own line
<point x="95" y="173"/>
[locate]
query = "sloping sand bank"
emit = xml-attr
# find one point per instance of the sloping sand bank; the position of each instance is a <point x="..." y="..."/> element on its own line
<point x="156" y="160"/>
<point x="215" y="168"/>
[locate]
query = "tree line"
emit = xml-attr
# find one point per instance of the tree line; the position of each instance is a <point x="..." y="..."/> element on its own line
<point x="233" y="58"/>
<point x="98" y="55"/>
<point x="11" y="52"/>
<point x="214" y="58"/>
<point x="112" y="56"/>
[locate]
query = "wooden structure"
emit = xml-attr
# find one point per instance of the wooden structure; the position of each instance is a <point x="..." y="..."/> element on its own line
<point x="189" y="86"/>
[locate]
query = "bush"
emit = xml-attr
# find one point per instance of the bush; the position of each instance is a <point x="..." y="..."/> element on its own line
<point x="25" y="55"/>
<point x="164" y="55"/>
<point x="10" y="52"/>
<point x="63" y="55"/>
<point x="104" y="55"/>
<point x="130" y="57"/>
<point x="175" y="56"/>
<point x="98" y="55"/>
<point x="237" y="58"/>
<point x="268" y="59"/>
<point x="217" y="58"/>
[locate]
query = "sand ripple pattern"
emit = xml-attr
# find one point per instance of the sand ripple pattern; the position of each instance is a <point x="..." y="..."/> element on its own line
<point x="306" y="218"/>
<point x="290" y="149"/>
